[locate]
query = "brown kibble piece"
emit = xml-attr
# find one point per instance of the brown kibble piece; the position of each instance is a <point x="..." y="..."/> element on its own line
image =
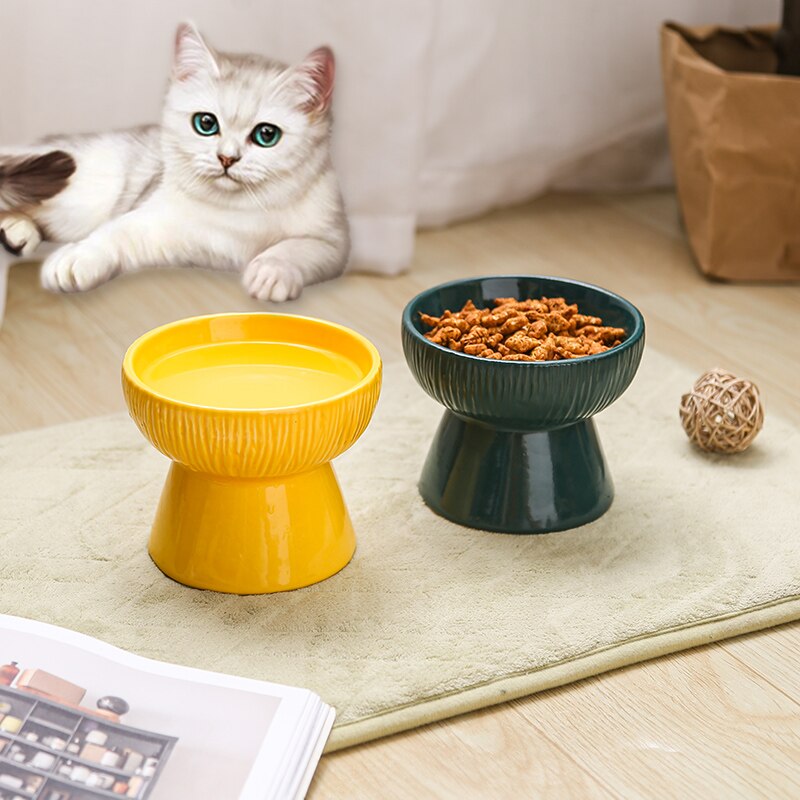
<point x="600" y="334"/>
<point x="581" y="320"/>
<point x="556" y="323"/>
<point x="521" y="343"/>
<point x="513" y="324"/>
<point x="543" y="329"/>
<point x="478" y="334"/>
<point x="546" y="351"/>
<point x="488" y="353"/>
<point x="446" y="334"/>
<point x="537" y="329"/>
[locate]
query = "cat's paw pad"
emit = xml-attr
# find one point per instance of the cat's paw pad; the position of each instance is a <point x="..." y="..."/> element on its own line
<point x="76" y="268"/>
<point x="19" y="234"/>
<point x="272" y="279"/>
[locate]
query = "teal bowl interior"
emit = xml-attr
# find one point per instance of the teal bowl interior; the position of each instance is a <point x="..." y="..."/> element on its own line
<point x="523" y="396"/>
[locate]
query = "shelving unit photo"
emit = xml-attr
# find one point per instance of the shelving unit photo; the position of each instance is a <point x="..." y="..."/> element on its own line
<point x="51" y="751"/>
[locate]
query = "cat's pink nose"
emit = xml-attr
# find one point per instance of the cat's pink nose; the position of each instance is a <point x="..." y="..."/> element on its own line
<point x="227" y="161"/>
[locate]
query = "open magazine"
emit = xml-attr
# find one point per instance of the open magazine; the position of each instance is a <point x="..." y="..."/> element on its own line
<point x="81" y="720"/>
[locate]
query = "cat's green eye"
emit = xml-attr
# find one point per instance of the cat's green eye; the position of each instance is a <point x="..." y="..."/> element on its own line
<point x="205" y="124"/>
<point x="266" y="135"/>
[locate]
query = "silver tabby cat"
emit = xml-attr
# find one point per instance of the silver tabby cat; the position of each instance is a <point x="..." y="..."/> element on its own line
<point x="237" y="176"/>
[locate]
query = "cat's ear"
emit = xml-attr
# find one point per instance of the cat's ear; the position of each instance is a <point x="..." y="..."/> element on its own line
<point x="315" y="77"/>
<point x="192" y="55"/>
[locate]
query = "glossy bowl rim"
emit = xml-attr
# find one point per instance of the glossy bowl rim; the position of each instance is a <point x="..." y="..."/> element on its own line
<point x="634" y="337"/>
<point x="130" y="375"/>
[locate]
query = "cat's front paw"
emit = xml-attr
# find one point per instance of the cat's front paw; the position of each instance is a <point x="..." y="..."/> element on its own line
<point x="76" y="268"/>
<point x="19" y="234"/>
<point x="268" y="278"/>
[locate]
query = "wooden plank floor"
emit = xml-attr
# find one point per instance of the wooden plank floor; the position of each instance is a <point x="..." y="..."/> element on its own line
<point x="719" y="721"/>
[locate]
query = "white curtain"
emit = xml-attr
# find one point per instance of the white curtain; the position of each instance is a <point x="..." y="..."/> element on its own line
<point x="444" y="108"/>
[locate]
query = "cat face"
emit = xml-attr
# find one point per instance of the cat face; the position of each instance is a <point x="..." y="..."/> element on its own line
<point x="238" y="124"/>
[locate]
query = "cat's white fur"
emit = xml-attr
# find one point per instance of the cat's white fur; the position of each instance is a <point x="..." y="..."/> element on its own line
<point x="160" y="196"/>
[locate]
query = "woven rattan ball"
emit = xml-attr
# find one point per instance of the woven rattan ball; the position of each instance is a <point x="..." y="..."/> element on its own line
<point x="722" y="413"/>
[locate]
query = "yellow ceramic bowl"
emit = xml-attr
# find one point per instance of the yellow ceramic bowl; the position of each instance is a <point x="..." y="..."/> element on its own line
<point x="251" y="408"/>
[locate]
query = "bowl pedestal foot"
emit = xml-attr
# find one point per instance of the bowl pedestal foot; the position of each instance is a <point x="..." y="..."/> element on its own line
<point x="516" y="482"/>
<point x="251" y="536"/>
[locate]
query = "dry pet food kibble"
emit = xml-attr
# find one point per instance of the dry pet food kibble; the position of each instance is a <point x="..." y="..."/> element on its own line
<point x="547" y="329"/>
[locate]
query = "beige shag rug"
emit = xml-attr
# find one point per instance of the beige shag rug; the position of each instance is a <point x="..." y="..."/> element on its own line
<point x="429" y="620"/>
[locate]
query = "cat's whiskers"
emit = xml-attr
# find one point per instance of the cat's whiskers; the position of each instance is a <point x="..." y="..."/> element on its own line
<point x="256" y="199"/>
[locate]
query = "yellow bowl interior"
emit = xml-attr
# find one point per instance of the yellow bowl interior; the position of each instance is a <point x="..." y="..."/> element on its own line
<point x="254" y="362"/>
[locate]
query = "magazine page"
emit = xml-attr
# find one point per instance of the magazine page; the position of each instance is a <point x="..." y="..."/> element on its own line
<point x="80" y="720"/>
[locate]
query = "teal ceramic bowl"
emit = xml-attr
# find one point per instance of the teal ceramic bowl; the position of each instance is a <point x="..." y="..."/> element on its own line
<point x="517" y="449"/>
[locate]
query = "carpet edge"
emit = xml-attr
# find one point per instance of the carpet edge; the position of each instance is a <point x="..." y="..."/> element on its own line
<point x="513" y="687"/>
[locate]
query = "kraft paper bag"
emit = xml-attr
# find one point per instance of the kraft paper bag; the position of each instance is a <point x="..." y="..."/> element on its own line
<point x="734" y="130"/>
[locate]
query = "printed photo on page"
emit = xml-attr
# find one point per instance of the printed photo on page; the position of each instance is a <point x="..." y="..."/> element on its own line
<point x="81" y="720"/>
